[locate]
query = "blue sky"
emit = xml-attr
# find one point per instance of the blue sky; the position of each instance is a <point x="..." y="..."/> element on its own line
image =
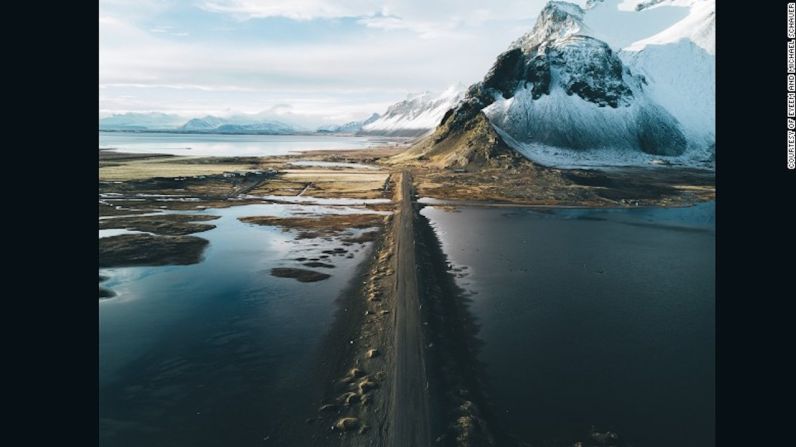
<point x="306" y="61"/>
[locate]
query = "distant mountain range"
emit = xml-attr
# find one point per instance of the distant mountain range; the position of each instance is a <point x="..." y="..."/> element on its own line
<point x="208" y="124"/>
<point x="418" y="114"/>
<point x="141" y="121"/>
<point x="238" y="125"/>
<point x="351" y="127"/>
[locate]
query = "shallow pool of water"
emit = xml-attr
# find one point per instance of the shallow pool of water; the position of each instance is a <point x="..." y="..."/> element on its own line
<point x="220" y="352"/>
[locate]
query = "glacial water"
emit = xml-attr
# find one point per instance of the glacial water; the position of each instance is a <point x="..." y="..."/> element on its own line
<point x="219" y="352"/>
<point x="591" y="318"/>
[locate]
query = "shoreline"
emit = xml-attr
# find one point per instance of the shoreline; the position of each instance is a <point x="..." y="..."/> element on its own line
<point x="357" y="354"/>
<point x="525" y="185"/>
<point x="429" y="379"/>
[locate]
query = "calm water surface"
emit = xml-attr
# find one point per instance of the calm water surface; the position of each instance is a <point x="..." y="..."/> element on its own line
<point x="220" y="352"/>
<point x="230" y="145"/>
<point x="592" y="317"/>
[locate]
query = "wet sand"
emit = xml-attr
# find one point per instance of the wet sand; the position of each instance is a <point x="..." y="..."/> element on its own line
<point x="165" y="224"/>
<point x="143" y="249"/>
<point x="300" y="275"/>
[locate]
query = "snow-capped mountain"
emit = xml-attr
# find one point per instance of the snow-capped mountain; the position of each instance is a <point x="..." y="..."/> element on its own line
<point x="698" y="26"/>
<point x="351" y="127"/>
<point x="206" y="123"/>
<point x="266" y="127"/>
<point x="679" y="64"/>
<point x="561" y="95"/>
<point x="238" y="124"/>
<point x="214" y="124"/>
<point x="415" y="115"/>
<point x="140" y="121"/>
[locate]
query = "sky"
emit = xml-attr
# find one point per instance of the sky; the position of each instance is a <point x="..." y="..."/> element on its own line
<point x="308" y="62"/>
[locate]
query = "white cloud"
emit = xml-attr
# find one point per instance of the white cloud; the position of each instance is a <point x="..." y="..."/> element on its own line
<point x="138" y="9"/>
<point x="391" y="49"/>
<point x="293" y="9"/>
<point x="204" y="88"/>
<point x="422" y="16"/>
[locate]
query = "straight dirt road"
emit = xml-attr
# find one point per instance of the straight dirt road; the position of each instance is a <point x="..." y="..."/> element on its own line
<point x="410" y="401"/>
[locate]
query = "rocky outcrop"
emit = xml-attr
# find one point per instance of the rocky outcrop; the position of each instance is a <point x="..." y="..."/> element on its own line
<point x="462" y="144"/>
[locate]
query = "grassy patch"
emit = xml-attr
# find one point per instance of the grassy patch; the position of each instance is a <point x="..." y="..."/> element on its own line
<point x="143" y="249"/>
<point x="165" y="224"/>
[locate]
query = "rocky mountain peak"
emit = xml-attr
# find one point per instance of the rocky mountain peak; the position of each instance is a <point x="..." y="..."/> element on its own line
<point x="558" y="20"/>
<point x="559" y="86"/>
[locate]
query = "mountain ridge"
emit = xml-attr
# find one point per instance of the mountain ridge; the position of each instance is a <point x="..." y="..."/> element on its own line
<point x="414" y="116"/>
<point x="350" y="127"/>
<point x="560" y="92"/>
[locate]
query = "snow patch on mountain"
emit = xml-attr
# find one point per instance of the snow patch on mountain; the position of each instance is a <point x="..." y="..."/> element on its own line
<point x="239" y="125"/>
<point x="679" y="65"/>
<point x="681" y="78"/>
<point x="622" y="27"/>
<point x="350" y="127"/>
<point x="203" y="124"/>
<point x="569" y="121"/>
<point x="591" y="158"/>
<point x="698" y="27"/>
<point x="558" y="20"/>
<point x="416" y="115"/>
